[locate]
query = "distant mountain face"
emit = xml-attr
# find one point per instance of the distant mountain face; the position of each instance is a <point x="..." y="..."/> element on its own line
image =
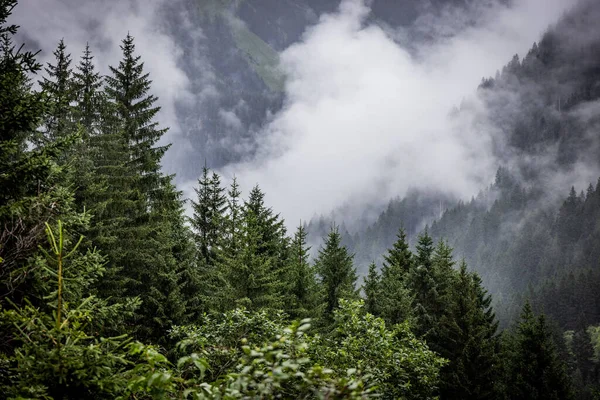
<point x="231" y="53"/>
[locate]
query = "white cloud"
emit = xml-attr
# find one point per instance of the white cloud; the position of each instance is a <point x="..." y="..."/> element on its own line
<point x="365" y="120"/>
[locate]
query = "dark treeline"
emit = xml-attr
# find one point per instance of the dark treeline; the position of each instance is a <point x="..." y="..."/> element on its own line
<point x="107" y="290"/>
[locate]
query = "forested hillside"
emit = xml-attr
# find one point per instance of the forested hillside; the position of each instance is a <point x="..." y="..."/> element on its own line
<point x="109" y="290"/>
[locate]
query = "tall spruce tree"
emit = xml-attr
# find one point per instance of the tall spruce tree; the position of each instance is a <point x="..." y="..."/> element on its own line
<point x="251" y="260"/>
<point x="128" y="87"/>
<point x="534" y="368"/>
<point x="396" y="299"/>
<point x="301" y="280"/>
<point x="424" y="285"/>
<point x="87" y="84"/>
<point x="149" y="257"/>
<point x="58" y="86"/>
<point x="209" y="216"/>
<point x="233" y="218"/>
<point x="208" y="223"/>
<point x="336" y="271"/>
<point x="254" y="281"/>
<point x="467" y="338"/>
<point x="372" y="291"/>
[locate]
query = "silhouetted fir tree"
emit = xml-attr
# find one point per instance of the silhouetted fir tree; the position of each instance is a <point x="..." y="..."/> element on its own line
<point x="268" y="226"/>
<point x="399" y="256"/>
<point x="534" y="368"/>
<point x="225" y="284"/>
<point x="302" y="299"/>
<point x="424" y="249"/>
<point x="270" y="231"/>
<point x="90" y="113"/>
<point x="372" y="288"/>
<point x="467" y="338"/>
<point x="336" y="272"/>
<point x="58" y="86"/>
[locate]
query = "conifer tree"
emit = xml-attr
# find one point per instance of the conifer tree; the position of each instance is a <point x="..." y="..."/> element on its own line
<point x="128" y="87"/>
<point x="58" y="85"/>
<point x="144" y="233"/>
<point x="232" y="224"/>
<point x="31" y="192"/>
<point x="399" y="256"/>
<point x="87" y="84"/>
<point x="336" y="271"/>
<point x="396" y="299"/>
<point x="424" y="285"/>
<point x="207" y="216"/>
<point x="270" y="232"/>
<point x="254" y="281"/>
<point x="467" y="338"/>
<point x="208" y="222"/>
<point x="302" y="284"/>
<point x="372" y="289"/>
<point x="534" y="368"/>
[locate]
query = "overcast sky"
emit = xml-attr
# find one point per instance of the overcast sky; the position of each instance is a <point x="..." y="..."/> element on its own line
<point x="363" y="120"/>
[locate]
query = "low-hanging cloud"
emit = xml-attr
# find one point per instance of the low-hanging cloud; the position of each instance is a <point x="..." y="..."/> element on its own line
<point x="365" y="119"/>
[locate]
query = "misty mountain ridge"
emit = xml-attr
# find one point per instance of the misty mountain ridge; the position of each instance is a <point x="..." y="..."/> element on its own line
<point x="245" y="83"/>
<point x="545" y="110"/>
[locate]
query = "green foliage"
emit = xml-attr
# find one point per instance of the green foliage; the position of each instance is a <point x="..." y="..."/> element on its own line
<point x="399" y="365"/>
<point x="220" y="337"/>
<point x="56" y="354"/>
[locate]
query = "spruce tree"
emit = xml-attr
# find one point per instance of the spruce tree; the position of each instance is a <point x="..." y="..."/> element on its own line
<point x="148" y="257"/>
<point x="128" y="87"/>
<point x="423" y="283"/>
<point x="208" y="223"/>
<point x="254" y="281"/>
<point x="372" y="290"/>
<point x="534" y="368"/>
<point x="58" y="86"/>
<point x="336" y="271"/>
<point x="208" y="220"/>
<point x="396" y="299"/>
<point x="87" y="86"/>
<point x="232" y="223"/>
<point x="302" y="287"/>
<point x="467" y="338"/>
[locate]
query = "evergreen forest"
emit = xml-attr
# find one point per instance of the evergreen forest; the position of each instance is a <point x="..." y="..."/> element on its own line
<point x="114" y="285"/>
